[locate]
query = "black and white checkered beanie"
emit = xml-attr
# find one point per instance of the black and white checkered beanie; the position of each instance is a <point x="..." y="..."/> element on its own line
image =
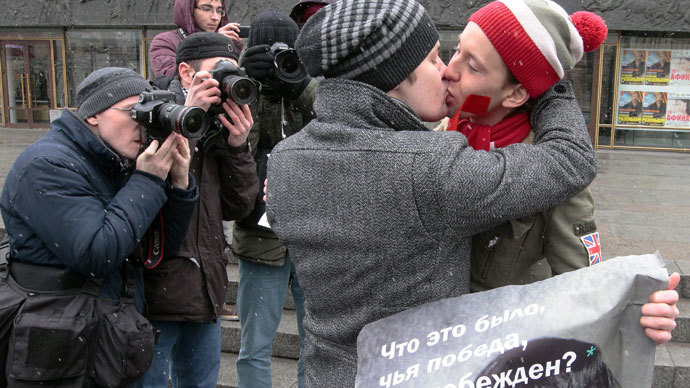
<point x="379" y="42"/>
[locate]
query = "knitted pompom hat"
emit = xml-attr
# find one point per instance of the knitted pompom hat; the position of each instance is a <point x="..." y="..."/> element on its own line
<point x="379" y="42"/>
<point x="537" y="39"/>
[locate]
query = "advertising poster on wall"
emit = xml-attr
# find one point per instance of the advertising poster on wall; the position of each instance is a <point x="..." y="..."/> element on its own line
<point x="633" y="64"/>
<point x="658" y="67"/>
<point x="654" y="108"/>
<point x="680" y="68"/>
<point x="630" y="107"/>
<point x="678" y="110"/>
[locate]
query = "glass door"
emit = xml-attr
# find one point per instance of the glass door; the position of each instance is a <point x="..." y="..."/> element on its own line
<point x="27" y="81"/>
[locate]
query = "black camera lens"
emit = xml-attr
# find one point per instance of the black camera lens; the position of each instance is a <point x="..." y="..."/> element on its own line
<point x="288" y="66"/>
<point x="191" y="122"/>
<point x="241" y="89"/>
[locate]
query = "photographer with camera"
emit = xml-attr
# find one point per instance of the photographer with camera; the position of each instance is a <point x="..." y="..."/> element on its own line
<point x="282" y="108"/>
<point x="76" y="203"/>
<point x="190" y="16"/>
<point x="185" y="293"/>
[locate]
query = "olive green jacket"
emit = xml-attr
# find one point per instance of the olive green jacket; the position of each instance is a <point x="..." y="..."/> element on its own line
<point x="512" y="253"/>
<point x="250" y="241"/>
<point x="536" y="247"/>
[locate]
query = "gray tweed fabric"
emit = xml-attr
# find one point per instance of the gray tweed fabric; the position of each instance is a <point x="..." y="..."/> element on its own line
<point x="104" y="87"/>
<point x="379" y="42"/>
<point x="378" y="213"/>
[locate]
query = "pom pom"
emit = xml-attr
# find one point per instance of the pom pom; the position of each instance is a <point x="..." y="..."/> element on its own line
<point x="591" y="27"/>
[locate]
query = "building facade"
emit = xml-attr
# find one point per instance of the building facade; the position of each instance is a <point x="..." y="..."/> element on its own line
<point x="634" y="90"/>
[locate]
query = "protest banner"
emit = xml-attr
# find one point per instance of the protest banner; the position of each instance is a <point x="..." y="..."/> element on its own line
<point x="578" y="329"/>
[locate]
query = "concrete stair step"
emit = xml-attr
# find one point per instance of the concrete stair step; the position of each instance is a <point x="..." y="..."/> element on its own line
<point x="283" y="370"/>
<point x="683" y="268"/>
<point x="234" y="280"/>
<point x="672" y="366"/>
<point x="682" y="331"/>
<point x="285" y="343"/>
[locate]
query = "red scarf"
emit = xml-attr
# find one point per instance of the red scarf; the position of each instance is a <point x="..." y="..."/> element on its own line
<point x="511" y="130"/>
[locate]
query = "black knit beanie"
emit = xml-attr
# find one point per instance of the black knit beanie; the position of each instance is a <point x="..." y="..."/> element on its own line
<point x="379" y="42"/>
<point x="202" y="45"/>
<point x="104" y="87"/>
<point x="271" y="26"/>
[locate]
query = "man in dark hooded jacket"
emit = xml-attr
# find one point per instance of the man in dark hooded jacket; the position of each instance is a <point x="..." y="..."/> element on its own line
<point x="190" y="16"/>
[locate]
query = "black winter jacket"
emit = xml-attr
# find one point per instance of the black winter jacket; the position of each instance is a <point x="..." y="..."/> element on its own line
<point x="70" y="201"/>
<point x="190" y="285"/>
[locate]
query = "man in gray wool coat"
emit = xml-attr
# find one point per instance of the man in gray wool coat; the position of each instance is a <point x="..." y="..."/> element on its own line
<point x="376" y="210"/>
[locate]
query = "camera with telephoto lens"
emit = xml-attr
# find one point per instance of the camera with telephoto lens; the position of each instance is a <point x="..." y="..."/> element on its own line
<point x="288" y="67"/>
<point x="234" y="83"/>
<point x="160" y="115"/>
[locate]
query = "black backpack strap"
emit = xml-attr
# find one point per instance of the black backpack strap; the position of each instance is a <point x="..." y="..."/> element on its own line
<point x="130" y="277"/>
<point x="4" y="256"/>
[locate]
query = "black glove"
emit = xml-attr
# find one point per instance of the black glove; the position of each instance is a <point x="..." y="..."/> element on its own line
<point x="258" y="63"/>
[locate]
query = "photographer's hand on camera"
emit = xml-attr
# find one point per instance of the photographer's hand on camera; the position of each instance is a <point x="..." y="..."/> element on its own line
<point x="179" y="171"/>
<point x="240" y="122"/>
<point x="172" y="157"/>
<point x="203" y="91"/>
<point x="258" y="62"/>
<point x="231" y="30"/>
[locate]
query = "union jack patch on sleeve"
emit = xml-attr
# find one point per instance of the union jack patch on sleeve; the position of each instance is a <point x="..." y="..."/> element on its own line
<point x="591" y="242"/>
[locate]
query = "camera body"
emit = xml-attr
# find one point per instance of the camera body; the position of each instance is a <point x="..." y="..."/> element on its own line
<point x="234" y="83"/>
<point x="288" y="67"/>
<point x="244" y="31"/>
<point x="157" y="111"/>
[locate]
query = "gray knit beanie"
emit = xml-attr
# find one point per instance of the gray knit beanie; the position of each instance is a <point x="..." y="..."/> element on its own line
<point x="104" y="87"/>
<point x="379" y="42"/>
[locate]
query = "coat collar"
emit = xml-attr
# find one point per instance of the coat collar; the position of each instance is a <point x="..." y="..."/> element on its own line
<point x="81" y="134"/>
<point x="364" y="106"/>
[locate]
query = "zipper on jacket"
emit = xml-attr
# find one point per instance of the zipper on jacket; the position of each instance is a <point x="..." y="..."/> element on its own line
<point x="490" y="247"/>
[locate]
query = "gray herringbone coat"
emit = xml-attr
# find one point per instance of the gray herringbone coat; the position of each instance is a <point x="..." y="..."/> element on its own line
<point x="377" y="212"/>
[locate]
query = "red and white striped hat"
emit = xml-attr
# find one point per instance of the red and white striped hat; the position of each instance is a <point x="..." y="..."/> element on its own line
<point x="537" y="39"/>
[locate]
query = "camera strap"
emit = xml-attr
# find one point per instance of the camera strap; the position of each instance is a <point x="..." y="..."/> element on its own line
<point x="153" y="243"/>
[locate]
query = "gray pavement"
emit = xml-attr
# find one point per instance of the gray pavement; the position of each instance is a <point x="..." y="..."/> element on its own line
<point x="642" y="197"/>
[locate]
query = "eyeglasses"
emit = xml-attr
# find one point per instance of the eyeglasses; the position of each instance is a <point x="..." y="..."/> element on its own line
<point x="209" y="9"/>
<point x="129" y="110"/>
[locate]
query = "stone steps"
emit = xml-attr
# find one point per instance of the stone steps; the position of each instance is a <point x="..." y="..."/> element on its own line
<point x="285" y="343"/>
<point x="672" y="365"/>
<point x="283" y="370"/>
